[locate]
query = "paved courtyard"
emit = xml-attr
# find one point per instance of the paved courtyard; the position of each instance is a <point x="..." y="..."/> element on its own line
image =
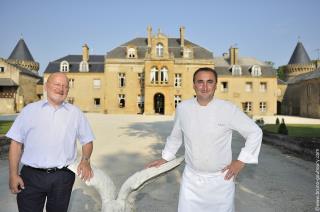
<point x="125" y="143"/>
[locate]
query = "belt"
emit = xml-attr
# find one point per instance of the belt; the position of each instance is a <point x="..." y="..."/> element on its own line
<point x="49" y="170"/>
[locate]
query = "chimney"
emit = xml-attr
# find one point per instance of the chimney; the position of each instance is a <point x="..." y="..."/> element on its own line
<point x="182" y="29"/>
<point x="149" y="31"/>
<point x="233" y="52"/>
<point x="85" y="53"/>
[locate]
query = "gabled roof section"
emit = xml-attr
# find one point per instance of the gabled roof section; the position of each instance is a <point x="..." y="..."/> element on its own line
<point x="223" y="66"/>
<point x="300" y="55"/>
<point x="21" y="52"/>
<point x="306" y="76"/>
<point x="174" y="47"/>
<point x="96" y="63"/>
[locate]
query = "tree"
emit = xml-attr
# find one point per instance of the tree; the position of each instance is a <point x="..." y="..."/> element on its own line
<point x="281" y="73"/>
<point x="270" y="63"/>
<point x="277" y="121"/>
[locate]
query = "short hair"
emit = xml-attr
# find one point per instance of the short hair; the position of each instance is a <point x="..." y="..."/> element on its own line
<point x="206" y="69"/>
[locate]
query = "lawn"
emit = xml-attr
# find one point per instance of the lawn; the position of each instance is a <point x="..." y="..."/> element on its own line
<point x="5" y="126"/>
<point x="297" y="130"/>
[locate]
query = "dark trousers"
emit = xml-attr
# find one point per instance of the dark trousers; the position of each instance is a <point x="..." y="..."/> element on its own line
<point x="39" y="185"/>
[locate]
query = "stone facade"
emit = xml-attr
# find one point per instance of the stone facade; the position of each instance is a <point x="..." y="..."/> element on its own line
<point x="18" y="85"/>
<point x="301" y="96"/>
<point x="152" y="75"/>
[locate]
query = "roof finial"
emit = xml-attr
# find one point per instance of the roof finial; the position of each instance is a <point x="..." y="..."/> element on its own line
<point x="299" y="38"/>
<point x="21" y="36"/>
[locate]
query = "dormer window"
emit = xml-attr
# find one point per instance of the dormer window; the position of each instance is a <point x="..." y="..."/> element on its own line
<point x="236" y="70"/>
<point x="84" y="66"/>
<point x="159" y="50"/>
<point x="255" y="71"/>
<point x="132" y="53"/>
<point x="64" y="66"/>
<point x="187" y="52"/>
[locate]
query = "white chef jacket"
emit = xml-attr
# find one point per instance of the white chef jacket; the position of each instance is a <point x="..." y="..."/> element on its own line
<point x="207" y="133"/>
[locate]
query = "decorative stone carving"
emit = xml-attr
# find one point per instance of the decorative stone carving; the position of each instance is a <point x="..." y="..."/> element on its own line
<point x="124" y="201"/>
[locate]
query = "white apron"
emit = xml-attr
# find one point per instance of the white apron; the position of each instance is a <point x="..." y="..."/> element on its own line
<point x="206" y="192"/>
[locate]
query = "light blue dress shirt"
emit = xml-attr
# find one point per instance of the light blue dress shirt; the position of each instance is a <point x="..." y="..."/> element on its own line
<point x="49" y="135"/>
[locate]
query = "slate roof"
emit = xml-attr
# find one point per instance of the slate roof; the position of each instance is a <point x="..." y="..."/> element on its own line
<point x="223" y="67"/>
<point x="299" y="55"/>
<point x="174" y="47"/>
<point x="96" y="63"/>
<point x="7" y="82"/>
<point x="21" y="52"/>
<point x="306" y="76"/>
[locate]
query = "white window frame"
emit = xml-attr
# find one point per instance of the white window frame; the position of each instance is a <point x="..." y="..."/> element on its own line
<point x="263" y="107"/>
<point x="263" y="87"/>
<point x="187" y="52"/>
<point x="248" y="87"/>
<point x="159" y="50"/>
<point x="64" y="66"/>
<point x="84" y="66"/>
<point x="71" y="83"/>
<point x="154" y="75"/>
<point x="164" y="75"/>
<point x="236" y="70"/>
<point x="96" y="83"/>
<point x="122" y="80"/>
<point x="177" y="80"/>
<point x="256" y="71"/>
<point x="122" y="97"/>
<point x="247" y="107"/>
<point x="177" y="100"/>
<point x="132" y="53"/>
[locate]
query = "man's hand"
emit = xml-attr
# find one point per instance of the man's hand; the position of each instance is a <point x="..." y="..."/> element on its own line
<point x="84" y="170"/>
<point x="156" y="163"/>
<point x="15" y="184"/>
<point x="233" y="169"/>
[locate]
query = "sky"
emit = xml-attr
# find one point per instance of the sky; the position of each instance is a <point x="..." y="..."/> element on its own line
<point x="267" y="30"/>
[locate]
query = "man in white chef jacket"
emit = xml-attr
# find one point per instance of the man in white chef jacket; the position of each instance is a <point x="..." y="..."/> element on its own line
<point x="205" y="125"/>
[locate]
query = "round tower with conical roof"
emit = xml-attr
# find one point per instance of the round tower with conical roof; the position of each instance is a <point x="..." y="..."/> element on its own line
<point x="299" y="62"/>
<point x="22" y="57"/>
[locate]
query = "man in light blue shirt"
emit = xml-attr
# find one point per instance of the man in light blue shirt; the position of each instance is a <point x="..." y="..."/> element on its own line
<point x="44" y="137"/>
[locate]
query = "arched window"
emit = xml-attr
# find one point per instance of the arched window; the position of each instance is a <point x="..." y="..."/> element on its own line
<point x="84" y="66"/>
<point x="64" y="66"/>
<point x="236" y="70"/>
<point x="164" y="75"/>
<point x="154" y="75"/>
<point x="131" y="53"/>
<point x="255" y="71"/>
<point x="159" y="50"/>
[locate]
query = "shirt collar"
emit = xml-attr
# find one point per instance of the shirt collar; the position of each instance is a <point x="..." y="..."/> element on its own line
<point x="209" y="103"/>
<point x="46" y="103"/>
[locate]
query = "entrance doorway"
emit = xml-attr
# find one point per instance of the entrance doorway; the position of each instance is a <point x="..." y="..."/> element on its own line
<point x="158" y="103"/>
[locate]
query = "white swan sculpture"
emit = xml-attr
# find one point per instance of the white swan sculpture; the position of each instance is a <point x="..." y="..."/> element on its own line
<point x="124" y="201"/>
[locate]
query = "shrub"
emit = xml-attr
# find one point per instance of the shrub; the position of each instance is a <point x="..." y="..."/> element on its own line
<point x="283" y="128"/>
<point x="277" y="121"/>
